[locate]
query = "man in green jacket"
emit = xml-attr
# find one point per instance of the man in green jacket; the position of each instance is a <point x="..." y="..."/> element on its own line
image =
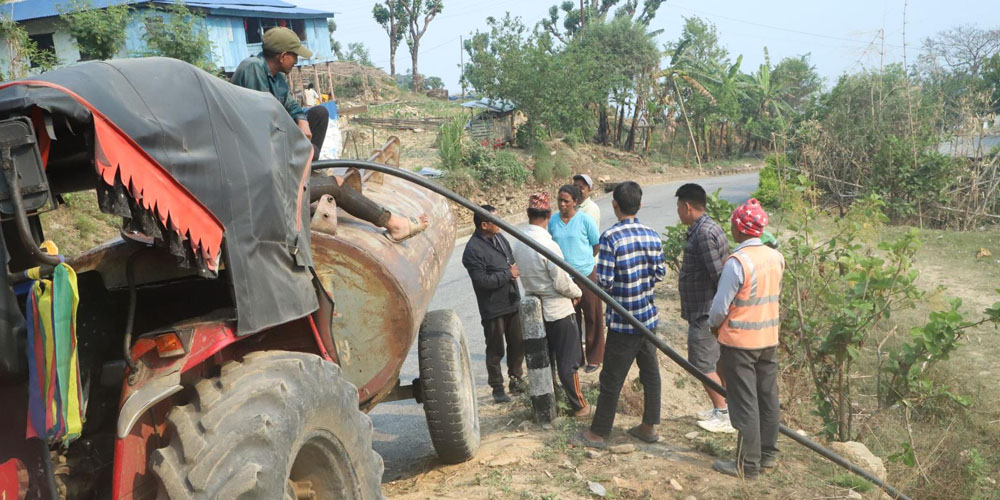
<point x="267" y="72"/>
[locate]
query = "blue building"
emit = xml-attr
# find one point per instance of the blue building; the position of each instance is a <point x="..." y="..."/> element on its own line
<point x="235" y="28"/>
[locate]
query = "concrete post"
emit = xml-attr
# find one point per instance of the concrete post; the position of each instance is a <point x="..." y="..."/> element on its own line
<point x="536" y="354"/>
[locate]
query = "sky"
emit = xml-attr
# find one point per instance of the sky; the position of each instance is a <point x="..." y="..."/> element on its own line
<point x="841" y="36"/>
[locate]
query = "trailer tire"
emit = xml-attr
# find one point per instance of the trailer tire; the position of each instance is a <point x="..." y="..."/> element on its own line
<point x="269" y="427"/>
<point x="447" y="387"/>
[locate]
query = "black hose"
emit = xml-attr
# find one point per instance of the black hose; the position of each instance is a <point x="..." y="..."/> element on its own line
<point x="612" y="303"/>
<point x="130" y="318"/>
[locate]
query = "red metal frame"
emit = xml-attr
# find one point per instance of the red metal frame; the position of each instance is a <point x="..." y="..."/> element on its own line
<point x="209" y="345"/>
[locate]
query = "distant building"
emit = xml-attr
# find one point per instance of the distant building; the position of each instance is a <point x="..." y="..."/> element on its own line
<point x="235" y="28"/>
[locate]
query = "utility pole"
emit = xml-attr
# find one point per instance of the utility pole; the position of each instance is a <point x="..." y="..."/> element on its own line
<point x="461" y="58"/>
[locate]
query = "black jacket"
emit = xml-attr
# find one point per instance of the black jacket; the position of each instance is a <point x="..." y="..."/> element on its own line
<point x="489" y="269"/>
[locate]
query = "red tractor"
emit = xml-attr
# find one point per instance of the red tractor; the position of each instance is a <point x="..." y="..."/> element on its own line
<point x="230" y="342"/>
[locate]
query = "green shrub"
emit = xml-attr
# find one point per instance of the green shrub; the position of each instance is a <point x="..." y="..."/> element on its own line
<point x="501" y="169"/>
<point x="573" y="138"/>
<point x="529" y="135"/>
<point x="544" y="164"/>
<point x="768" y="191"/>
<point x="460" y="181"/>
<point x="450" y="143"/>
<point x="562" y="169"/>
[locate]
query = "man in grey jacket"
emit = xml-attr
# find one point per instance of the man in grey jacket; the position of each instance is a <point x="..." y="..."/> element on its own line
<point x="558" y="294"/>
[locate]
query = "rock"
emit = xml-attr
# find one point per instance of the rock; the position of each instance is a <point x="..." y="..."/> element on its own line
<point x="597" y="489"/>
<point x="547" y="427"/>
<point x="676" y="485"/>
<point x="802" y="433"/>
<point x="621" y="483"/>
<point x="622" y="449"/>
<point x="691" y="435"/>
<point x="853" y="494"/>
<point x="690" y="497"/>
<point x="603" y="178"/>
<point x="559" y="421"/>
<point x="859" y="455"/>
<point x="593" y="454"/>
<point x="504" y="461"/>
<point x="525" y="425"/>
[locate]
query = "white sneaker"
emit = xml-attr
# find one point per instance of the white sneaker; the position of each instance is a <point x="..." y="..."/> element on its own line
<point x="718" y="423"/>
<point x="705" y="414"/>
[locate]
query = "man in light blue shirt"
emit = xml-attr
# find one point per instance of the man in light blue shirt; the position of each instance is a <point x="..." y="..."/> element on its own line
<point x="577" y="236"/>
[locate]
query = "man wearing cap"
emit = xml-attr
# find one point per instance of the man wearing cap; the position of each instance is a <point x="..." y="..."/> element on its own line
<point x="558" y="294"/>
<point x="266" y="72"/>
<point x="744" y="316"/>
<point x="585" y="184"/>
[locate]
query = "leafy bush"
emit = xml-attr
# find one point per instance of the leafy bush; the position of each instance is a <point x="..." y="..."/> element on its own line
<point x="573" y="138"/>
<point x="502" y="168"/>
<point x="529" y="135"/>
<point x="178" y="32"/>
<point x="98" y="33"/>
<point x="544" y="165"/>
<point x="562" y="169"/>
<point x="450" y="148"/>
<point x="768" y="191"/>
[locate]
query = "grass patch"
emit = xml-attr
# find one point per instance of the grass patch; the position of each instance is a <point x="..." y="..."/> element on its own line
<point x="711" y="446"/>
<point x="852" y="482"/>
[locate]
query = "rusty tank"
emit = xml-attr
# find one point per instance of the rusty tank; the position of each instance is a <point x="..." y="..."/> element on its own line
<point x="381" y="289"/>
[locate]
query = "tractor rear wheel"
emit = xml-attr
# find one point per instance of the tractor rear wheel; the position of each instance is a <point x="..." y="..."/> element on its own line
<point x="447" y="387"/>
<point x="275" y="425"/>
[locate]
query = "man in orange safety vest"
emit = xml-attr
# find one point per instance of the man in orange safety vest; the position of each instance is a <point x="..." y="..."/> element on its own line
<point x="744" y="316"/>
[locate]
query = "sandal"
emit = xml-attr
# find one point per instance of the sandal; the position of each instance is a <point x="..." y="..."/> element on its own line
<point x="580" y="439"/>
<point x="637" y="433"/>
<point x="416" y="227"/>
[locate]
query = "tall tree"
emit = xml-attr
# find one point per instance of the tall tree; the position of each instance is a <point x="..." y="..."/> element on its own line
<point x="180" y="33"/>
<point x="98" y="33"/>
<point x="419" y="14"/>
<point x="335" y="46"/>
<point x="961" y="49"/>
<point x="393" y="19"/>
<point x="798" y="76"/>
<point x="22" y="53"/>
<point x="596" y="12"/>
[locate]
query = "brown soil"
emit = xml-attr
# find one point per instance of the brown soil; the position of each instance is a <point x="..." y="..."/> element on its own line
<point x="520" y="459"/>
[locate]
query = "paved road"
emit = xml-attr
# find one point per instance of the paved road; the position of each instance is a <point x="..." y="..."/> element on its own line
<point x="400" y="429"/>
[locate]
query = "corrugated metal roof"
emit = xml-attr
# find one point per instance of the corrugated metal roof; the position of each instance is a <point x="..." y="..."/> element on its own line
<point x="24" y="10"/>
<point x="499" y="105"/>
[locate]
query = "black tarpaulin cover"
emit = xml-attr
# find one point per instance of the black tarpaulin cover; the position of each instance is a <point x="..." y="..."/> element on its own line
<point x="237" y="151"/>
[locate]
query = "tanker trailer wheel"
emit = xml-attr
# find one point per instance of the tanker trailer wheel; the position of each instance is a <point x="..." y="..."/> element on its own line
<point x="447" y="387"/>
<point x="278" y="425"/>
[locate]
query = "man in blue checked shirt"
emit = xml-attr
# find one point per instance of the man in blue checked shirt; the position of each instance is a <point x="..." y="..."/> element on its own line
<point x="629" y="264"/>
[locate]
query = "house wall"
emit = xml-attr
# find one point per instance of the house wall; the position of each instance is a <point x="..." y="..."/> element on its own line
<point x="227" y="34"/>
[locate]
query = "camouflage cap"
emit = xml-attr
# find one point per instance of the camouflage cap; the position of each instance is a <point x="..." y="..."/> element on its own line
<point x="280" y="40"/>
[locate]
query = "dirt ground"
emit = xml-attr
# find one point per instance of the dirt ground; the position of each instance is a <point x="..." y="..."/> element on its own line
<point x="521" y="460"/>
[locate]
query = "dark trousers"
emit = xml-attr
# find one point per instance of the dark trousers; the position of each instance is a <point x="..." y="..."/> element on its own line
<point x="590" y="318"/>
<point x="621" y="349"/>
<point x="496" y="330"/>
<point x="752" y="393"/>
<point x="319" y="120"/>
<point x="563" y="340"/>
<point x="357" y="204"/>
